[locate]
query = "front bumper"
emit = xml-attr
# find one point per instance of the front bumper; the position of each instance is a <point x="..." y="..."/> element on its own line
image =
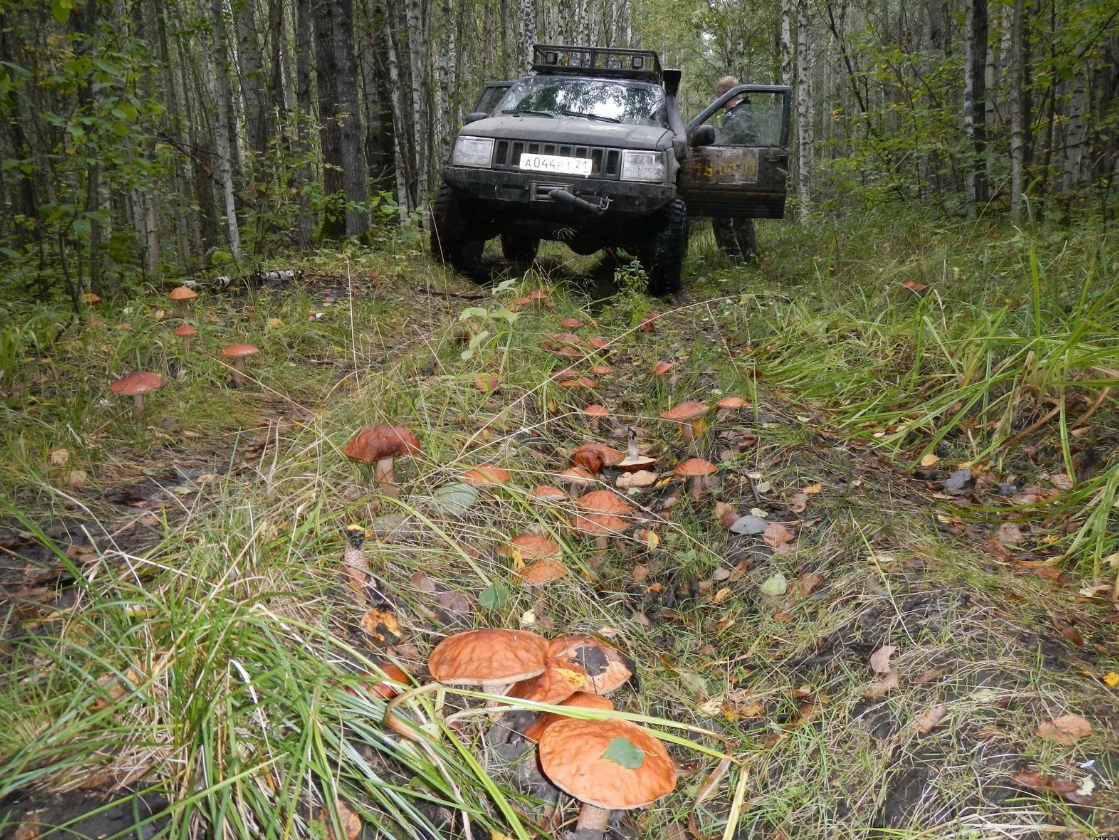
<point x="526" y="193"/>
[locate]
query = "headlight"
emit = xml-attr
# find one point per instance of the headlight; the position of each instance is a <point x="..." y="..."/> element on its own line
<point x="473" y="151"/>
<point x="642" y="166"/>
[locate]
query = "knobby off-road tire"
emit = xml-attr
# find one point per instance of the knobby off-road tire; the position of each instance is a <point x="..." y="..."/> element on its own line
<point x="663" y="254"/>
<point x="453" y="239"/>
<point x="519" y="248"/>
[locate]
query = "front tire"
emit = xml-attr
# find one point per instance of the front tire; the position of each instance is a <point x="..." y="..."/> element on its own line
<point x="518" y="248"/>
<point x="453" y="237"/>
<point x="663" y="253"/>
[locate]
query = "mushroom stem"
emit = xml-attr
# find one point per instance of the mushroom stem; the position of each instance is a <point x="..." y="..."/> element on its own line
<point x="592" y="818"/>
<point x="397" y="724"/>
<point x="137" y="406"/>
<point x="239" y="377"/>
<point x="696" y="482"/>
<point x="383" y="474"/>
<point x="687" y="432"/>
<point x="185" y="304"/>
<point x="601" y="542"/>
<point x="186" y="343"/>
<point x="594" y="424"/>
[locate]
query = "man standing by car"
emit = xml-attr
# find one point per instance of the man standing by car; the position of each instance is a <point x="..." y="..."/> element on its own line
<point x="735" y="235"/>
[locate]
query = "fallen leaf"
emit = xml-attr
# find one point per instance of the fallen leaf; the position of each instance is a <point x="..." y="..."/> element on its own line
<point x="880" y="659"/>
<point x="1009" y="534"/>
<point x="812" y="489"/>
<point x="28" y="830"/>
<point x="927" y="677"/>
<point x="723" y="594"/>
<point x="423" y="582"/>
<point x="776" y="535"/>
<point x="1060" y="481"/>
<point x="808" y="583"/>
<point x="930" y="460"/>
<point x="798" y="502"/>
<point x="1065" y="730"/>
<point x="882" y="687"/>
<point x="726" y="514"/>
<point x="77" y="479"/>
<point x="351" y="822"/>
<point x="927" y="722"/>
<point x="775" y="585"/>
<point x="1066" y="788"/>
<point x="1111" y="679"/>
<point x="58" y="457"/>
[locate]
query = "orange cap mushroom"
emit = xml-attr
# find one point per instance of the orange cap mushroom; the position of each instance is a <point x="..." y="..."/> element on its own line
<point x="135" y="385"/>
<point x="239" y="352"/>
<point x="695" y="469"/>
<point x="487" y="475"/>
<point x="578" y="700"/>
<point x="379" y="445"/>
<point x="185" y="332"/>
<point x="606" y="666"/>
<point x="493" y="659"/>
<point x="183" y="295"/>
<point x="541" y="572"/>
<point x="685" y="413"/>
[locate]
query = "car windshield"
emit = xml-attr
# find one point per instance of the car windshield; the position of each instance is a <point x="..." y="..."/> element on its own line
<point x="592" y="99"/>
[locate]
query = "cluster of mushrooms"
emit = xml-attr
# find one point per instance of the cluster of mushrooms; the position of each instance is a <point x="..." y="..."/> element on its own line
<point x="607" y="764"/>
<point x="139" y="382"/>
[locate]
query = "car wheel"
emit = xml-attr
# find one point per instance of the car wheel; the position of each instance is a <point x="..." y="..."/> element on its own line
<point x="453" y="238"/>
<point x="519" y="248"/>
<point x="663" y="253"/>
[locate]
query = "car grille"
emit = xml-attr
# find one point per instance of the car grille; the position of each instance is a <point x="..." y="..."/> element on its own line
<point x="605" y="163"/>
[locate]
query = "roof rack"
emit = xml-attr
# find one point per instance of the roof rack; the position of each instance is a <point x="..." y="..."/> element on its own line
<point x="596" y="61"/>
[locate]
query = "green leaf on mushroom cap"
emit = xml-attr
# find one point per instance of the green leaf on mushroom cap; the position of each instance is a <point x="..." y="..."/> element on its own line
<point x="624" y="752"/>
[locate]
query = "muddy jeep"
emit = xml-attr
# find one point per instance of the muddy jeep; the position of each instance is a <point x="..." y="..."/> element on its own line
<point x="591" y="151"/>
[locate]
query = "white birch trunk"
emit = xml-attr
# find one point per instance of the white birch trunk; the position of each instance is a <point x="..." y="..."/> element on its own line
<point x="415" y="25"/>
<point x="221" y="130"/>
<point x="527" y="11"/>
<point x="1017" y="130"/>
<point x="786" y="44"/>
<point x="804" y="110"/>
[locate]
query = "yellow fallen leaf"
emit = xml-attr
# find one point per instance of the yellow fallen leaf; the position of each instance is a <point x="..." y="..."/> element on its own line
<point x="930" y="460"/>
<point x="1111" y="679"/>
<point x="812" y="490"/>
<point x="274" y="323"/>
<point x="722" y="595"/>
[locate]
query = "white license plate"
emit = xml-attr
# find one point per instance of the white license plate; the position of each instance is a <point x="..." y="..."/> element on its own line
<point x="556" y="163"/>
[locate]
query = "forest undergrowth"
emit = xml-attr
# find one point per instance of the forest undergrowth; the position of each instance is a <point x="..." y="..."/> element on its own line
<point x="928" y="446"/>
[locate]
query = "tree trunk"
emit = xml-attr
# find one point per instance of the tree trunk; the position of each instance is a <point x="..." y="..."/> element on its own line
<point x="222" y="140"/>
<point x="527" y="9"/>
<point x="330" y="129"/>
<point x="401" y="136"/>
<point x="416" y="67"/>
<point x="305" y="176"/>
<point x="804" y="110"/>
<point x="251" y="76"/>
<point x="975" y="106"/>
<point x="173" y="121"/>
<point x="785" y="45"/>
<point x="1017" y="128"/>
<point x="355" y="184"/>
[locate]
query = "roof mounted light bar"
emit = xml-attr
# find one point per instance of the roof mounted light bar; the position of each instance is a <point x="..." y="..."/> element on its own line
<point x="596" y="61"/>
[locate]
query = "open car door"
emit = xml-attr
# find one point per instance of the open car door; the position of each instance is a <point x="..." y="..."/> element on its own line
<point x="747" y="180"/>
<point x="489" y="97"/>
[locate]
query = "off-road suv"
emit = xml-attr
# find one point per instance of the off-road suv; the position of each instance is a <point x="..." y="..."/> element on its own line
<point x="591" y="151"/>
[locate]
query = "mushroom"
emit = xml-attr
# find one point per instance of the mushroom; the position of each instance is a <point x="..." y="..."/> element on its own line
<point x="575" y="478"/>
<point x="607" y="765"/>
<point x="238" y="352"/>
<point x="634" y="460"/>
<point x="601" y="526"/>
<point x="596" y="412"/>
<point x="548" y="493"/>
<point x="578" y="700"/>
<point x="135" y="385"/>
<point x="183" y="295"/>
<point x="185" y="332"/>
<point x="90" y="298"/>
<point x="660" y="368"/>
<point x="559" y="681"/>
<point x="571" y="323"/>
<point x="602" y="370"/>
<point x="493" y="659"/>
<point x="379" y="445"/>
<point x="609" y="455"/>
<point x="357" y="566"/>
<point x="487" y="475"/>
<point x="603" y="501"/>
<point x="695" y="469"/>
<point x="386" y="684"/>
<point x="686" y="413"/>
<point x="606" y="666"/>
<point x="647" y="324"/>
<point x="728" y="404"/>
<point x="541" y="572"/>
<point x="598" y="342"/>
<point x="530" y="547"/>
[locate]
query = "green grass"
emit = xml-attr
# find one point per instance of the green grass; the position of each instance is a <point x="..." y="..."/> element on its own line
<point x="220" y="649"/>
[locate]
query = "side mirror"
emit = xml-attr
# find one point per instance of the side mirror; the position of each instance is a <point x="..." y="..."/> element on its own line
<point x="474" y="116"/>
<point x="704" y="136"/>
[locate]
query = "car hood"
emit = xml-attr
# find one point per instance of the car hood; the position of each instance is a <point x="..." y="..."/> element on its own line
<point x="570" y="130"/>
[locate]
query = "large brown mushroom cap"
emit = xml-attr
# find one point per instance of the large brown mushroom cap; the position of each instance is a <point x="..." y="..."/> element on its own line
<point x="541" y="572"/>
<point x="185" y="330"/>
<point x="578" y="700"/>
<point x="486" y="475"/>
<point x="603" y="501"/>
<point x="548" y="493"/>
<point x="576" y="476"/>
<point x="90" y="298"/>
<point x="599" y="524"/>
<point x="573" y="755"/>
<point x="380" y="442"/>
<point x="531" y="547"/>
<point x="685" y="412"/>
<point x="137" y="382"/>
<point x="181" y="293"/>
<point x="606" y="666"/>
<point x="660" y="369"/>
<point x="732" y="402"/>
<point x="694" y="467"/>
<point x="238" y="351"/>
<point x="635" y="463"/>
<point x="596" y="410"/>
<point x="489" y="658"/>
<point x="610" y="456"/>
<point x="558" y="682"/>
<point x="572" y="323"/>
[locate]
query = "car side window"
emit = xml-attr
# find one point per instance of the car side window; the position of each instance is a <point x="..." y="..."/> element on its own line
<point x="755" y="120"/>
